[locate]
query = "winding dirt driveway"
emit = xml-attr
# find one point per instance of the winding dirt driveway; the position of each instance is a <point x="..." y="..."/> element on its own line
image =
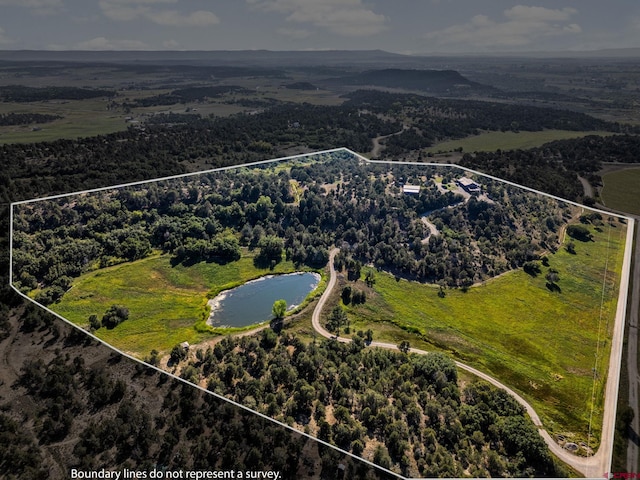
<point x="375" y="151"/>
<point x="594" y="466"/>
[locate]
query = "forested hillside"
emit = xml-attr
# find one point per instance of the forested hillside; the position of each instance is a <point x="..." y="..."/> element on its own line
<point x="402" y="411"/>
<point x="76" y="404"/>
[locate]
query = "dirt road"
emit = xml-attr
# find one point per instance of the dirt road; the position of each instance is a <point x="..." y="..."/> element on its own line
<point x="586" y="186"/>
<point x="375" y="151"/>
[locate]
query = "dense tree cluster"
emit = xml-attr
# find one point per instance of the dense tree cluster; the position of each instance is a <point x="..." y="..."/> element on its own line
<point x="14" y="118"/>
<point x="114" y="316"/>
<point x="19" y="454"/>
<point x="530" y="168"/>
<point x="436" y="119"/>
<point x="22" y="93"/>
<point x="167" y="149"/>
<point x="553" y="168"/>
<point x="300" y="86"/>
<point x="351" y="396"/>
<point x="303" y="212"/>
<point x="186" y="95"/>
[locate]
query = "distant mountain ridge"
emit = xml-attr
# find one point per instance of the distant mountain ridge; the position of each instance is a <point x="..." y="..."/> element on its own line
<point x="218" y="57"/>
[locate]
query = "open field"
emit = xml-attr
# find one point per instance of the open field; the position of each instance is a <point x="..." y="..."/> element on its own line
<point x="167" y="304"/>
<point x="86" y="118"/>
<point x="620" y="190"/>
<point x="491" y="141"/>
<point x="81" y="118"/>
<point x="540" y="342"/>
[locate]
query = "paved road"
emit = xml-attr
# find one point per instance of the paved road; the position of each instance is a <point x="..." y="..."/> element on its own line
<point x="594" y="466"/>
<point x="633" y="454"/>
<point x="632" y="360"/>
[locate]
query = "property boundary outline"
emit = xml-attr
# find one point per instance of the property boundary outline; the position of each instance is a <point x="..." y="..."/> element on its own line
<point x="614" y="368"/>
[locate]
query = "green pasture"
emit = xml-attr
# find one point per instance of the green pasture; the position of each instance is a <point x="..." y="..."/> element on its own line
<point x="621" y="190"/>
<point x="167" y="305"/>
<point x="81" y="118"/>
<point x="540" y="342"/>
<point x="492" y="141"/>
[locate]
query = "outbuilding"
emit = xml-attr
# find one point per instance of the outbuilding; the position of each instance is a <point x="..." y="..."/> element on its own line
<point x="469" y="186"/>
<point x="411" y="189"/>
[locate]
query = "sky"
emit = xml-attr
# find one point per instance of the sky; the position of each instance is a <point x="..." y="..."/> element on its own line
<point x="401" y="26"/>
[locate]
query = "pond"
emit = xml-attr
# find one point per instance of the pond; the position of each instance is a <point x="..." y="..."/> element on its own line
<point x="252" y="302"/>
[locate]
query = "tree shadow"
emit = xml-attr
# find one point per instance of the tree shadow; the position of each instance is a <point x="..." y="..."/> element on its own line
<point x="277" y="324"/>
<point x="264" y="262"/>
<point x="553" y="287"/>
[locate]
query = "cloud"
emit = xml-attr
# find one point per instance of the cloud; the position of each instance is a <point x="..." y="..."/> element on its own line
<point x="522" y="26"/>
<point x="41" y="7"/>
<point x="538" y="14"/>
<point x="342" y="17"/>
<point x="296" y="33"/>
<point x="127" y="10"/>
<point x="201" y="18"/>
<point x="572" y="28"/>
<point x="102" y="43"/>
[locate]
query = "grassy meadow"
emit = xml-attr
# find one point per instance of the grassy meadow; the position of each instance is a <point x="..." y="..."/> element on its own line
<point x="167" y="305"/>
<point x="540" y="342"/>
<point x="81" y="118"/>
<point x="621" y="190"/>
<point x="492" y="141"/>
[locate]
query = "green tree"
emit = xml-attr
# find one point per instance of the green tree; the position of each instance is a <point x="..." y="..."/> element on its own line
<point x="115" y="315"/>
<point x="346" y="295"/>
<point x="178" y="353"/>
<point x="337" y="318"/>
<point x="571" y="248"/>
<point x="94" y="323"/>
<point x="368" y="336"/>
<point x="279" y="309"/>
<point x="381" y="457"/>
<point x="370" y="277"/>
<point x="270" y="249"/>
<point x="579" y="232"/>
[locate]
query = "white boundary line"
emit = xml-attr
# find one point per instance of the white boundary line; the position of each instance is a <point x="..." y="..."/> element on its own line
<point x="612" y="386"/>
<point x="613" y="378"/>
<point x="624" y="282"/>
<point x="175" y="377"/>
<point x="182" y="175"/>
